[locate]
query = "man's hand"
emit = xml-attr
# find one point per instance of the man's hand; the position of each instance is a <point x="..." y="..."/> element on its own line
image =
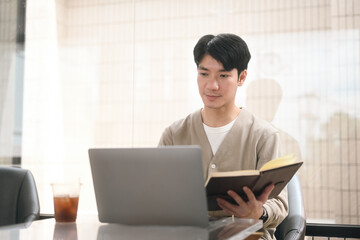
<point x="250" y="209"/>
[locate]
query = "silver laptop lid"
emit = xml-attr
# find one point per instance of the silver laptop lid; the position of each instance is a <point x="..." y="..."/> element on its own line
<point x="152" y="186"/>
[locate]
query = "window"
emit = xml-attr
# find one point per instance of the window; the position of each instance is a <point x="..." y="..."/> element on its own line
<point x="116" y="73"/>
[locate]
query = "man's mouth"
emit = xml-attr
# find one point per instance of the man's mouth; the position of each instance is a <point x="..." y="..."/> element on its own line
<point x="212" y="97"/>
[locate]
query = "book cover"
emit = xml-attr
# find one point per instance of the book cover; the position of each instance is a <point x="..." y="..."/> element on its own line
<point x="278" y="172"/>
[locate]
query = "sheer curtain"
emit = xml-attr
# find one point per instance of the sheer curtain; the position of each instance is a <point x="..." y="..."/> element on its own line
<point x="116" y="73"/>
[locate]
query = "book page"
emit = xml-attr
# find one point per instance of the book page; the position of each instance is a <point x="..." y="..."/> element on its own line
<point x="278" y="162"/>
<point x="232" y="174"/>
<point x="235" y="173"/>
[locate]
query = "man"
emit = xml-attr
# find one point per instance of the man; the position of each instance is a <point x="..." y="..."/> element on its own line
<point x="231" y="138"/>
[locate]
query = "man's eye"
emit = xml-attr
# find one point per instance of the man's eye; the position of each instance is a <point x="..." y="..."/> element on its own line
<point x="203" y="74"/>
<point x="224" y="75"/>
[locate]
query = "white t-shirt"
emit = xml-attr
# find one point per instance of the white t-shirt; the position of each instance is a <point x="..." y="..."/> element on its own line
<point x="216" y="135"/>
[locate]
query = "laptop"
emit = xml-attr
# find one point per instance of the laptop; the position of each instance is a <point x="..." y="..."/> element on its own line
<point x="150" y="186"/>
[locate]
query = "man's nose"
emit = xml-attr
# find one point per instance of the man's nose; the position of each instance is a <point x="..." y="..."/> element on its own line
<point x="213" y="84"/>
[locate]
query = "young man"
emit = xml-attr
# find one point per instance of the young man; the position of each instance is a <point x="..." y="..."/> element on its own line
<point x="231" y="138"/>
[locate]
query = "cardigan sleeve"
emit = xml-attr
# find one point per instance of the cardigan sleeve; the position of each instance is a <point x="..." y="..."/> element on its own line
<point x="277" y="208"/>
<point x="166" y="138"/>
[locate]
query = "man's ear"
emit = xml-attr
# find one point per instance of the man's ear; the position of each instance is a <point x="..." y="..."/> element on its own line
<point x="242" y="78"/>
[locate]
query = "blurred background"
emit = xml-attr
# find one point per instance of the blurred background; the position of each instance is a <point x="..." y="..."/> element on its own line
<point x="76" y="74"/>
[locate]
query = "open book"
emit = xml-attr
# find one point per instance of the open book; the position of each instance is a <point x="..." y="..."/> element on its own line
<point x="277" y="171"/>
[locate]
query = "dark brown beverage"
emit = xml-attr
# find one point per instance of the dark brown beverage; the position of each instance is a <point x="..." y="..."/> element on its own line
<point x="66" y="208"/>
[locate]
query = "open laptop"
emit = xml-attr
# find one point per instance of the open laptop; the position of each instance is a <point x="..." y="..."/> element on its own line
<point x="150" y="186"/>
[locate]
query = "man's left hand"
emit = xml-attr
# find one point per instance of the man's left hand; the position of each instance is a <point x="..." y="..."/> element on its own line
<point x="250" y="209"/>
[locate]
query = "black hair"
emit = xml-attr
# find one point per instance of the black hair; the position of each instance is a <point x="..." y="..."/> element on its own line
<point x="229" y="49"/>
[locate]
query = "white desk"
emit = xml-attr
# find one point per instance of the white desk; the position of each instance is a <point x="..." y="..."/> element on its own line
<point x="88" y="227"/>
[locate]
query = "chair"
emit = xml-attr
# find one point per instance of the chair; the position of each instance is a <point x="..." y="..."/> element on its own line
<point x="19" y="202"/>
<point x="293" y="226"/>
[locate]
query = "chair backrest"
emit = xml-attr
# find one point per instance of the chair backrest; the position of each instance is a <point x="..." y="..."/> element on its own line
<point x="293" y="226"/>
<point x="19" y="202"/>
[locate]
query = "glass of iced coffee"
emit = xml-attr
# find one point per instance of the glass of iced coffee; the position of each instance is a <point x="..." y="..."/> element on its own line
<point x="66" y="199"/>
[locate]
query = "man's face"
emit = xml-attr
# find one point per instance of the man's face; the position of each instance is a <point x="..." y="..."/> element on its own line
<point x="217" y="87"/>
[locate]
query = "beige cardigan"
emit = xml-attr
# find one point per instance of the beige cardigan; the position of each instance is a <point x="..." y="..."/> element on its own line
<point x="250" y="143"/>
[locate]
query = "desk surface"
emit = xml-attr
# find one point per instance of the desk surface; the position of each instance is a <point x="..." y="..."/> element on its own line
<point x="88" y="227"/>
